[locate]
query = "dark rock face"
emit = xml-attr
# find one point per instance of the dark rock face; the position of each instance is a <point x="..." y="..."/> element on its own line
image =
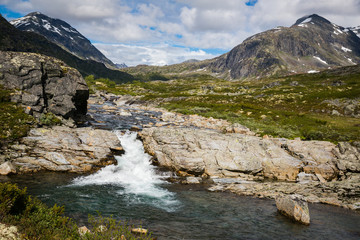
<point x="44" y="84"/>
<point x="312" y="43"/>
<point x="61" y="33"/>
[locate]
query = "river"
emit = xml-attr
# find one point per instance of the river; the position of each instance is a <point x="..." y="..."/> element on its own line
<point x="136" y="191"/>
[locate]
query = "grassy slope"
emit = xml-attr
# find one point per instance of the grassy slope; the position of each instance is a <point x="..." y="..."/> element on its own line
<point x="284" y="109"/>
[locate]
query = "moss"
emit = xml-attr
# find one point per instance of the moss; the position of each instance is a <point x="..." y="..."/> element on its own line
<point x="49" y="119"/>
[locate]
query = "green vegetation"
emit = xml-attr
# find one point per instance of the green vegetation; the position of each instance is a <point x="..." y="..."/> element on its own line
<point x="49" y="119"/>
<point x="151" y="76"/>
<point x="14" y="123"/>
<point x="37" y="221"/>
<point x="309" y="106"/>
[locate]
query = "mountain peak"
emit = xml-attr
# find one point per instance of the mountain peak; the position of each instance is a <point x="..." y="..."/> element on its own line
<point x="62" y="34"/>
<point x="34" y="14"/>
<point x="313" y="18"/>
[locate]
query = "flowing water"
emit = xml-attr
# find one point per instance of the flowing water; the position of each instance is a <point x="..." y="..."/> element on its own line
<point x="134" y="175"/>
<point x="135" y="191"/>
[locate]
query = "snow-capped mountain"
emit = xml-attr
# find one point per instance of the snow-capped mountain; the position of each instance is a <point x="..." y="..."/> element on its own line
<point x="313" y="43"/>
<point x="61" y="33"/>
<point x="13" y="39"/>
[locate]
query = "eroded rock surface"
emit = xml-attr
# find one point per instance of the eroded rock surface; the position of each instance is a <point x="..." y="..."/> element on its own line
<point x="43" y="84"/>
<point x="320" y="171"/>
<point x="64" y="149"/>
<point x="203" y="151"/>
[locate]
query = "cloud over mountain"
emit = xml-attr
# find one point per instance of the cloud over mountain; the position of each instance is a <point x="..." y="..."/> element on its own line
<point x="201" y="24"/>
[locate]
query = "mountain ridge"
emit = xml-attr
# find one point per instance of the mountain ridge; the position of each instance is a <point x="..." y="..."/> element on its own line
<point x="311" y="44"/>
<point x="13" y="39"/>
<point x="62" y="34"/>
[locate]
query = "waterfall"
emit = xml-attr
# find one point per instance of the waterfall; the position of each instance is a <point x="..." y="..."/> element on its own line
<point x="134" y="175"/>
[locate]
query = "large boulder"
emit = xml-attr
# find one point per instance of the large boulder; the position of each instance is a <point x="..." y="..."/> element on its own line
<point x="294" y="207"/>
<point x="202" y="151"/>
<point x="44" y="84"/>
<point x="64" y="149"/>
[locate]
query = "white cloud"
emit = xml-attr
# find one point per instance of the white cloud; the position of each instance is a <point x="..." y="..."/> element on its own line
<point x="192" y="23"/>
<point x="157" y="54"/>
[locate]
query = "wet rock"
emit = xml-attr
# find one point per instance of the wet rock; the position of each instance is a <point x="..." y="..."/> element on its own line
<point x="124" y="113"/>
<point x="294" y="207"/>
<point x="7" y="168"/>
<point x="192" y="180"/>
<point x="44" y="84"/>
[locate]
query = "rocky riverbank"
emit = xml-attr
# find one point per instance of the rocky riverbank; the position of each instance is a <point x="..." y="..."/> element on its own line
<point x="232" y="158"/>
<point x="263" y="167"/>
<point x="62" y="149"/>
<point x="201" y="150"/>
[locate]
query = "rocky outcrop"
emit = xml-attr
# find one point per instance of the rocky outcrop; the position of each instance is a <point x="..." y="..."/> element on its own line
<point x="202" y="151"/>
<point x="64" y="149"/>
<point x="294" y="207"/>
<point x="44" y="84"/>
<point x="320" y="171"/>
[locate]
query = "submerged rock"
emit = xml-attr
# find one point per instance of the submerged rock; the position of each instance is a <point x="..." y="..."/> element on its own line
<point x="294" y="207"/>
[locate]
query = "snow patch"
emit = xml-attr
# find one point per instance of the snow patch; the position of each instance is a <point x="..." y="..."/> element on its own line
<point x="319" y="59"/>
<point x="313" y="71"/>
<point x="69" y="29"/>
<point x="47" y="26"/>
<point x="346" y="49"/>
<point x="337" y="31"/>
<point x="350" y="60"/>
<point x="302" y="25"/>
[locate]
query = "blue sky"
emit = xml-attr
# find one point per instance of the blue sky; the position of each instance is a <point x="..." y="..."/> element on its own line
<point x="159" y="32"/>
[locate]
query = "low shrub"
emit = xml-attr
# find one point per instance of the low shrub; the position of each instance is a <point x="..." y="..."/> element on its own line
<point x="37" y="221"/>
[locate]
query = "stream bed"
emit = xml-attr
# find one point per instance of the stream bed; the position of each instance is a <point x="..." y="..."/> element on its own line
<point x="136" y="191"/>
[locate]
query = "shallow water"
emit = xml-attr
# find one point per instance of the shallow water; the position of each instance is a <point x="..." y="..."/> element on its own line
<point x="136" y="191"/>
<point x="195" y="214"/>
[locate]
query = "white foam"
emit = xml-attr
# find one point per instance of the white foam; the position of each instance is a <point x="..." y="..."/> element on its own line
<point x="134" y="174"/>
